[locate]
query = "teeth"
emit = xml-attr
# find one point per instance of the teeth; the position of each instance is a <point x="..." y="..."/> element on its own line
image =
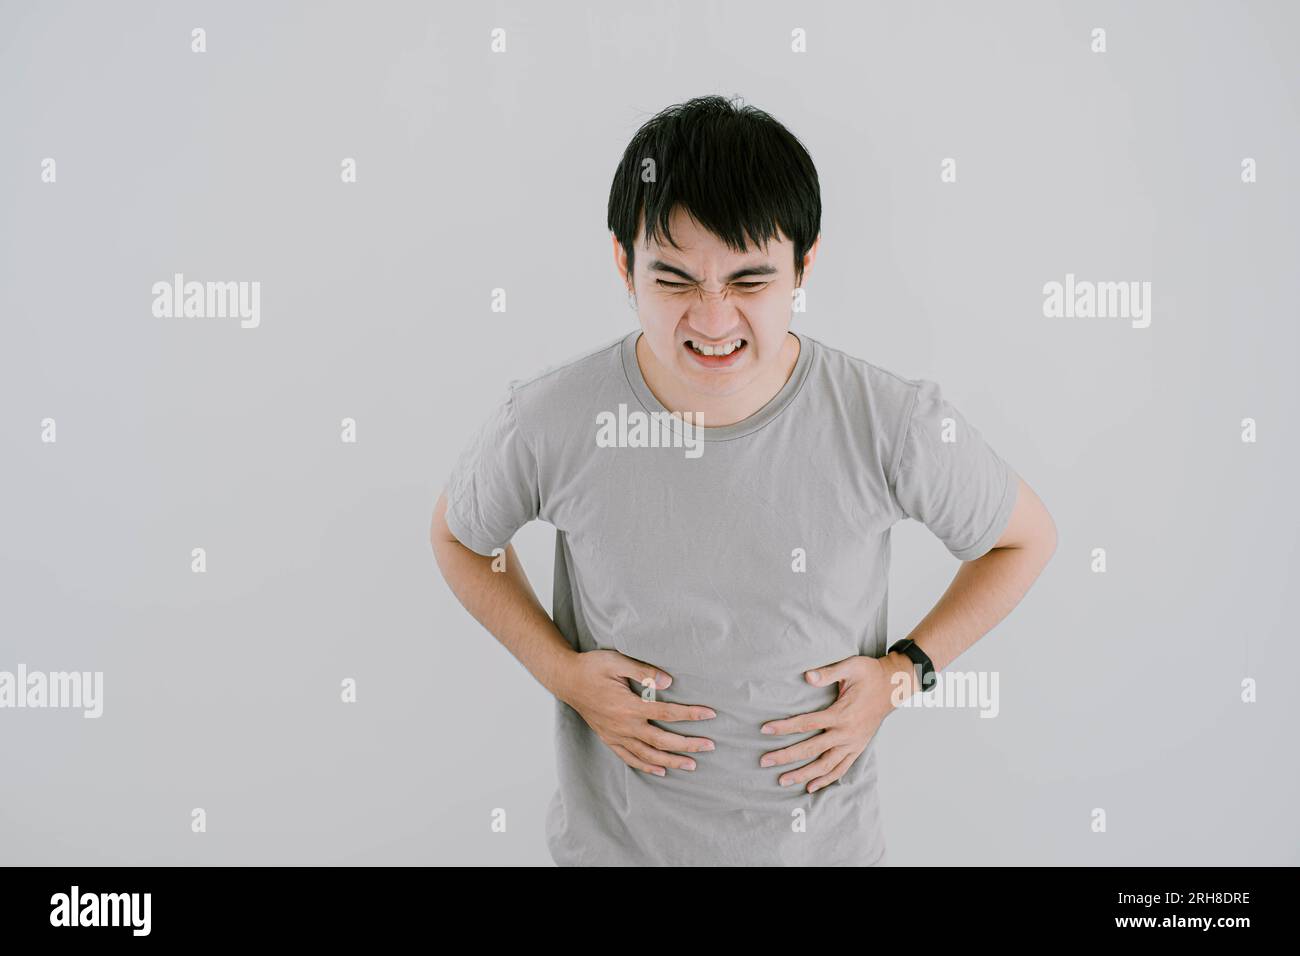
<point x="726" y="349"/>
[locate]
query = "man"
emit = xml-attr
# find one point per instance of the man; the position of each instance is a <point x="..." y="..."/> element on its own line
<point x="718" y="651"/>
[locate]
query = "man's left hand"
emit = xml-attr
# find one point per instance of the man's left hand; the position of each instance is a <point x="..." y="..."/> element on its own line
<point x="847" y="726"/>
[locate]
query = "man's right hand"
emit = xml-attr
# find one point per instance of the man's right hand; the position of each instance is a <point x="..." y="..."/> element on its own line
<point x="597" y="689"/>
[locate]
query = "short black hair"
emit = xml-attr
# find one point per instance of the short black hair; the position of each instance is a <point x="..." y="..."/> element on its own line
<point x="735" y="169"/>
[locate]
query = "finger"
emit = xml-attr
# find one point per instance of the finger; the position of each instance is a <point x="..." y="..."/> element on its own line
<point x="839" y="770"/>
<point x="804" y="750"/>
<point x="666" y="740"/>
<point x="642" y="673"/>
<point x="822" y="765"/>
<point x="635" y="762"/>
<point x="659" y="758"/>
<point x="801" y="723"/>
<point x="662" y="710"/>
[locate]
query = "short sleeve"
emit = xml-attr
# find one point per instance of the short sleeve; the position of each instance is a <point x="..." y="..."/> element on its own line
<point x="949" y="479"/>
<point x="493" y="489"/>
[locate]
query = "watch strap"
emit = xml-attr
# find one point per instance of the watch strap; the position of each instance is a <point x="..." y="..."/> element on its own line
<point x="917" y="656"/>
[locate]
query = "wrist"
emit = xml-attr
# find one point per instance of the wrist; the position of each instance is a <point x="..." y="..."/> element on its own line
<point x="904" y="677"/>
<point x="562" y="670"/>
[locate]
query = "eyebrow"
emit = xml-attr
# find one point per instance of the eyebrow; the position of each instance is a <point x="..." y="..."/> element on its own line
<point x="756" y="270"/>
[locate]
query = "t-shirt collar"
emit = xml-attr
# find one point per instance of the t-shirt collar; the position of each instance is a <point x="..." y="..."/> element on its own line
<point x="775" y="405"/>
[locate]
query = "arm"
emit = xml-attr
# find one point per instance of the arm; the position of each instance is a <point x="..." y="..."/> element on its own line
<point x="503" y="602"/>
<point x="593" y="683"/>
<point x="985" y="590"/>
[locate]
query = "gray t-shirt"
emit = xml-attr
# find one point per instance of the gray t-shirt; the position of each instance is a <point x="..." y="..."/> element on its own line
<point x="734" y="562"/>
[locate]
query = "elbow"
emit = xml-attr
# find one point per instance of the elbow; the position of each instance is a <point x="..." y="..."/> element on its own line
<point x="438" y="531"/>
<point x="1050" y="538"/>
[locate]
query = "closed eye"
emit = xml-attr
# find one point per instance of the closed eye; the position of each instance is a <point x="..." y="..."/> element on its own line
<point x="748" y="286"/>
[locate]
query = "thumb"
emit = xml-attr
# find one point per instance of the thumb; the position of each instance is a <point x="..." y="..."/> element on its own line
<point x="830" y="674"/>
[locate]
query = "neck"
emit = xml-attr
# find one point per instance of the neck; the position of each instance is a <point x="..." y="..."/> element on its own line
<point x="718" y="410"/>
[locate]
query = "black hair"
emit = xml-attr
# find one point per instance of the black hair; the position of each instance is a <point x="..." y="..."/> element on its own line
<point x="734" y="168"/>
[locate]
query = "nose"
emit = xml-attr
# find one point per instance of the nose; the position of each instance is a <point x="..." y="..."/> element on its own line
<point x="713" y="314"/>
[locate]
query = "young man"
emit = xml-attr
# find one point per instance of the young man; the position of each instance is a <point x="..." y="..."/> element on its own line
<point x="718" y="651"/>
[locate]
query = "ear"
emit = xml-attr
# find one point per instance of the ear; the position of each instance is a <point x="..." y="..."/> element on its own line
<point x="620" y="262"/>
<point x="809" y="257"/>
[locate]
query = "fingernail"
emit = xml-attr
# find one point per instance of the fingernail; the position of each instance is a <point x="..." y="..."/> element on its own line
<point x="691" y="765"/>
<point x="765" y="762"/>
<point x="710" y="713"/>
<point x="814" y="676"/>
<point x="767" y="730"/>
<point x="660" y="771"/>
<point x="707" y="745"/>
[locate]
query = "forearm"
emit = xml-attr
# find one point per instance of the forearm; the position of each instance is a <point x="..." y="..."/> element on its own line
<point x="505" y="604"/>
<point x="981" y="594"/>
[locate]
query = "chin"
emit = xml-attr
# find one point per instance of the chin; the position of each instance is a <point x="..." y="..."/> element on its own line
<point x="717" y="383"/>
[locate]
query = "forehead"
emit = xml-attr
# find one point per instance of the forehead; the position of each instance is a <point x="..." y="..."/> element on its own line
<point x="692" y="240"/>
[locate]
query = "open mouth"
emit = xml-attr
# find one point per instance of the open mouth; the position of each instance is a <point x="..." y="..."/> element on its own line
<point x="721" y="353"/>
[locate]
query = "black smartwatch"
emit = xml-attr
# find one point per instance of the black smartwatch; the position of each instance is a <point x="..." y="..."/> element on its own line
<point x="918" y="656"/>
